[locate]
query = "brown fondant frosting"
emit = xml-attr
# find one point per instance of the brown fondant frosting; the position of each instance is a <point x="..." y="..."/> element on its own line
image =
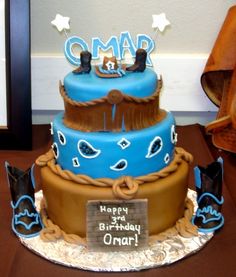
<point x="52" y="232"/>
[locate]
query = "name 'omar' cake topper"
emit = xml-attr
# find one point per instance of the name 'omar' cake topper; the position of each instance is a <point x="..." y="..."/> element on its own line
<point x="118" y="45"/>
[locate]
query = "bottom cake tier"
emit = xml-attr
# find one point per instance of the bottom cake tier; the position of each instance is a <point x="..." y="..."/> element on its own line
<point x="158" y="253"/>
<point x="66" y="200"/>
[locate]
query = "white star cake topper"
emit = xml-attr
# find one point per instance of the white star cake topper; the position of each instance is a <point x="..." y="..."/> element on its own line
<point x="160" y="21"/>
<point x="61" y="22"/>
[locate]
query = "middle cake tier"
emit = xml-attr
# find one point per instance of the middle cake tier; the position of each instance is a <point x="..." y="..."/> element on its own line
<point x="115" y="154"/>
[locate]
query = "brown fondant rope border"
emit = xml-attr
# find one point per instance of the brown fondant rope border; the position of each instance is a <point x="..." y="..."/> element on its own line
<point x="52" y="232"/>
<point x="183" y="227"/>
<point x="124" y="187"/>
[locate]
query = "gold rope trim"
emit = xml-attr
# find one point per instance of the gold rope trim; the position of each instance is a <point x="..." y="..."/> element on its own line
<point x="183" y="227"/>
<point x="124" y="187"/>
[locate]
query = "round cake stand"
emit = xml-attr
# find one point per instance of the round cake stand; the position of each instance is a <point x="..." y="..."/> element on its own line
<point x="157" y="254"/>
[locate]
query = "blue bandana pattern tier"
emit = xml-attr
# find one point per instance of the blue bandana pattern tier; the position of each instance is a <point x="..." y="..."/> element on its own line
<point x="112" y="154"/>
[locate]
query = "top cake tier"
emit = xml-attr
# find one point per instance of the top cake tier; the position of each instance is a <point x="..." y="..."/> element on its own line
<point x="93" y="103"/>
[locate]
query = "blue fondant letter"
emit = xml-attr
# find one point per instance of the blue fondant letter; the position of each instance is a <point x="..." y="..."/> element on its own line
<point x="112" y="43"/>
<point x="68" y="49"/>
<point x="145" y="42"/>
<point x="126" y="43"/>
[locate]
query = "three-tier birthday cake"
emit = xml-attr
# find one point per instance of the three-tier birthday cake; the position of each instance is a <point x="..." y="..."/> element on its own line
<point x="114" y="142"/>
<point x="114" y="179"/>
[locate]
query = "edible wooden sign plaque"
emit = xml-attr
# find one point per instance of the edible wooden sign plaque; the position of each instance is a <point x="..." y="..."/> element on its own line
<point x="117" y="225"/>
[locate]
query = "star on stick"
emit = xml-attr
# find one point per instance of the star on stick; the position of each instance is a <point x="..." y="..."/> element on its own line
<point x="160" y="21"/>
<point x="61" y="23"/>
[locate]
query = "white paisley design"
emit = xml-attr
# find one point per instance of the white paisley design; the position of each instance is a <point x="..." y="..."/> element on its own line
<point x="86" y="150"/>
<point x="120" y="165"/>
<point x="154" y="147"/>
<point x="61" y="138"/>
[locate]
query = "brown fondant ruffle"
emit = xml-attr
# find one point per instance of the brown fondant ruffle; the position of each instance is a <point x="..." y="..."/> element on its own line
<point x="134" y="113"/>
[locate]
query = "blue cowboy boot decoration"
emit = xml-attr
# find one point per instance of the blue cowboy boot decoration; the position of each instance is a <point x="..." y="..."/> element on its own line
<point x="208" y="183"/>
<point x="26" y="221"/>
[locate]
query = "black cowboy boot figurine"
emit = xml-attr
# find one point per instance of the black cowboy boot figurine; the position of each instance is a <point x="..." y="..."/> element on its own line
<point x="209" y="197"/>
<point x="140" y="61"/>
<point x="26" y="221"/>
<point x="85" y="66"/>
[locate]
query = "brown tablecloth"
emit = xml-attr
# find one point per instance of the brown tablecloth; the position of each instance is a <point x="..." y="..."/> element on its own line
<point x="217" y="258"/>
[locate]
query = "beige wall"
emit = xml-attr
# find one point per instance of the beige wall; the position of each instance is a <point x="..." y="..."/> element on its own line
<point x="194" y="23"/>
